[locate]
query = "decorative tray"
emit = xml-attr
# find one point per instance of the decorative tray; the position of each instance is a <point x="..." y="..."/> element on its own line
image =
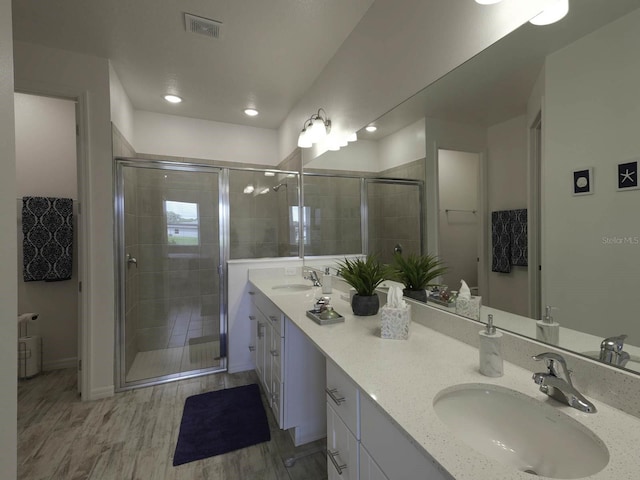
<point x="324" y="321"/>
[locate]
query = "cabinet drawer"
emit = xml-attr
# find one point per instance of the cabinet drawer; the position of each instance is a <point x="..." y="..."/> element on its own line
<point x="269" y="310"/>
<point x="343" y="396"/>
<point x="395" y="454"/>
<point x="342" y="449"/>
<point x="369" y="470"/>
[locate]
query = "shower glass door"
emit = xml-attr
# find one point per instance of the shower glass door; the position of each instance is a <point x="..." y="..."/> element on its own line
<point x="169" y="255"/>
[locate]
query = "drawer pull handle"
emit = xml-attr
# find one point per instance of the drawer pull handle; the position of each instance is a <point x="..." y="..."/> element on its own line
<point x="252" y="317"/>
<point x="252" y="348"/>
<point x="252" y="293"/>
<point x="260" y="334"/>
<point x="274" y="353"/>
<point x="332" y="457"/>
<point x="333" y="393"/>
<point x="273" y="318"/>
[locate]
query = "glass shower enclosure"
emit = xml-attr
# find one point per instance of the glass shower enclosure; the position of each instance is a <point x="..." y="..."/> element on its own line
<point x="170" y="248"/>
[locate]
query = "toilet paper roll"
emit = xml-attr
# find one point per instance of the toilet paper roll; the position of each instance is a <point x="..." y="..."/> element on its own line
<point x="29" y="351"/>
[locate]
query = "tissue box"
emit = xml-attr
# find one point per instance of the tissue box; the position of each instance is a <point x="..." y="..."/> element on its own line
<point x="394" y="322"/>
<point x="469" y="308"/>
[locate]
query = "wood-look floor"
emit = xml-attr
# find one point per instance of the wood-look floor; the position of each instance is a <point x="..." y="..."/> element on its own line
<point x="133" y="435"/>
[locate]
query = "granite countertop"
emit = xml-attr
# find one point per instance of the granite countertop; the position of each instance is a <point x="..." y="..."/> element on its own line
<point x="404" y="376"/>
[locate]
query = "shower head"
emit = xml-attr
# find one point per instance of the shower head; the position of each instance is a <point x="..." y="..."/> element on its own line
<point x="277" y="187"/>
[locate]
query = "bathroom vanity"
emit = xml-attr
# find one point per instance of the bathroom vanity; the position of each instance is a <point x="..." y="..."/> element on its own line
<point x="380" y="394"/>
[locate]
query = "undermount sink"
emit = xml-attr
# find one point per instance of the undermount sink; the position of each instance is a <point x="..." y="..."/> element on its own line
<point x="520" y="431"/>
<point x="293" y="287"/>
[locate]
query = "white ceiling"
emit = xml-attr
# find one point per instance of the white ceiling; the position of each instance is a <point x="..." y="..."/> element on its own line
<point x="268" y="56"/>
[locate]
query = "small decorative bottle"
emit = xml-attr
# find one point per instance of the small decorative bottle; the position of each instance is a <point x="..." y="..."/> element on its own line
<point x="491" y="364"/>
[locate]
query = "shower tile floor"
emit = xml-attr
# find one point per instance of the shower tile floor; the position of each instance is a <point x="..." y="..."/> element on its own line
<point x="170" y="361"/>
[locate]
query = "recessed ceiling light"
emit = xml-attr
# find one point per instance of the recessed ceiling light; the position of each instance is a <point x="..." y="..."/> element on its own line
<point x="172" y="98"/>
<point x="552" y="14"/>
<point x="252" y="112"/>
<point x="371" y="128"/>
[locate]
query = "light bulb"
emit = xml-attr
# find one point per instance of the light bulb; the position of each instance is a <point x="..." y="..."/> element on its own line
<point x="552" y="14"/>
<point x="317" y="131"/>
<point x="303" y="140"/>
<point x="371" y="128"/>
<point x="353" y="137"/>
<point x="251" y="112"/>
<point x="172" y="98"/>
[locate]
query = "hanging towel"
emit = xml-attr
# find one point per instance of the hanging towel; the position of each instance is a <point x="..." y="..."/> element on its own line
<point x="501" y="241"/>
<point x="47" y="225"/>
<point x="519" y="251"/>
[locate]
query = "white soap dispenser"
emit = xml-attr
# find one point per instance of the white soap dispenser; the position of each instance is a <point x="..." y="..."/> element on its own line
<point x="547" y="330"/>
<point x="491" y="364"/>
<point x="326" y="281"/>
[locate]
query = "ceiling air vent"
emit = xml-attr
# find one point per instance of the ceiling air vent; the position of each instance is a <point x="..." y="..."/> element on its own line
<point x="201" y="25"/>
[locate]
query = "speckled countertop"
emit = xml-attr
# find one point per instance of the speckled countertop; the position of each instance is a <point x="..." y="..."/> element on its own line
<point x="404" y="376"/>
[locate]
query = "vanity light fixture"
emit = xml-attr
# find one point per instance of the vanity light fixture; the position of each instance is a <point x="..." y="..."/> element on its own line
<point x="172" y="98"/>
<point x="353" y="137"/>
<point x="556" y="12"/>
<point x="371" y="128"/>
<point x="315" y="129"/>
<point x="251" y="112"/>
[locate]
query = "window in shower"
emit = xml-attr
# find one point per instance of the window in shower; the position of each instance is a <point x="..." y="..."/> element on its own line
<point x="182" y="223"/>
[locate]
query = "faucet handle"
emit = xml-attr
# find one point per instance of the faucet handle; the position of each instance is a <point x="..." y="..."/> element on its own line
<point x="614" y="344"/>
<point x="556" y="364"/>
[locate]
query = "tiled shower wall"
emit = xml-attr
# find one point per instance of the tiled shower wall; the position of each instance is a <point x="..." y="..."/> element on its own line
<point x="395" y="211"/>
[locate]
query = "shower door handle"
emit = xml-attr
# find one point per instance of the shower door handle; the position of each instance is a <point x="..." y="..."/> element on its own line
<point x="131" y="260"/>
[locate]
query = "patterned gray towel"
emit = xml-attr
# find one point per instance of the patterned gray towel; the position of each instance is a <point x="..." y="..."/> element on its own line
<point x="47" y="225"/>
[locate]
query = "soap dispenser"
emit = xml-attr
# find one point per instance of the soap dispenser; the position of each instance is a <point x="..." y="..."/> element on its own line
<point x="326" y="281"/>
<point x="547" y="330"/>
<point x="491" y="350"/>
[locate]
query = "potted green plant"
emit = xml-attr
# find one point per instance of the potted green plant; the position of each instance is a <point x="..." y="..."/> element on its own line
<point x="416" y="272"/>
<point x="364" y="276"/>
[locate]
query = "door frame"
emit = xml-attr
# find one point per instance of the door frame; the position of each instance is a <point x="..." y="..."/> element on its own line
<point x="81" y="100"/>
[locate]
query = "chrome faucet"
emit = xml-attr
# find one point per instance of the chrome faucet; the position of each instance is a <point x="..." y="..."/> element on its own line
<point x="313" y="276"/>
<point x="611" y="351"/>
<point x="556" y="382"/>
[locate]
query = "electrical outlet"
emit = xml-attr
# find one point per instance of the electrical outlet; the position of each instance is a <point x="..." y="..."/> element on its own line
<point x="290" y="270"/>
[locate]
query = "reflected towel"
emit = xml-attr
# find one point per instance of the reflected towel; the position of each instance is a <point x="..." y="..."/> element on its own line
<point x="501" y="241"/>
<point x="47" y="225"/>
<point x="519" y="251"/>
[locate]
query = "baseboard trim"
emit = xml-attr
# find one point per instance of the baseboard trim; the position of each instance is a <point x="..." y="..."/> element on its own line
<point x="243" y="367"/>
<point x="71" y="362"/>
<point x="102" y="392"/>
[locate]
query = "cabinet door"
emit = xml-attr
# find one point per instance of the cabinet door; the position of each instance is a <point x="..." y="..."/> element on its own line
<point x="268" y="332"/>
<point x="342" y="449"/>
<point x="261" y="353"/>
<point x="253" y="338"/>
<point x="369" y="470"/>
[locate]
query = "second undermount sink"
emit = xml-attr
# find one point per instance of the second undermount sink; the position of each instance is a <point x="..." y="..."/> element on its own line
<point x="520" y="431"/>
<point x="292" y="287"/>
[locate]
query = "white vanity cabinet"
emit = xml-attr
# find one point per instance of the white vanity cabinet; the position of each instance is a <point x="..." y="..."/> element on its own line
<point x="363" y="441"/>
<point x="291" y="370"/>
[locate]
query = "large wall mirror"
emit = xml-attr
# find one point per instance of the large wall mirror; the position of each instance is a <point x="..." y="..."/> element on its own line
<point x="545" y="123"/>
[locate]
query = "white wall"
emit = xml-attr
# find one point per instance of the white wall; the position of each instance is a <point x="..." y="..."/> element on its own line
<point x="507" y="190"/>
<point x="8" y="286"/>
<point x="404" y="146"/>
<point x="160" y="134"/>
<point x="592" y="119"/>
<point x="45" y="70"/>
<point x="47" y="168"/>
<point x="361" y="156"/>
<point x="397" y="49"/>
<point x="121" y="107"/>
<point x="458" y="182"/>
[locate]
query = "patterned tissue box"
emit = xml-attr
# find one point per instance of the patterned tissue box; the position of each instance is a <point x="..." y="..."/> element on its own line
<point x="469" y="308"/>
<point x="394" y="322"/>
